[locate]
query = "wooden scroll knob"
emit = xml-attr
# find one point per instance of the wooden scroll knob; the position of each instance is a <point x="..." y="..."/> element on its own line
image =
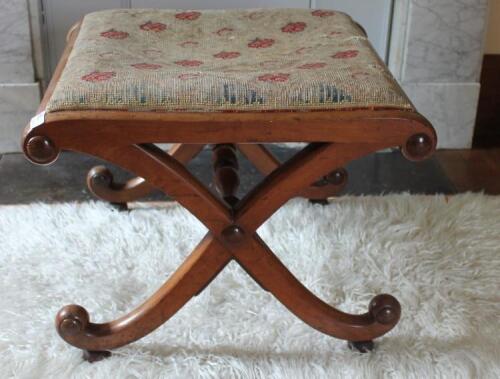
<point x="71" y="320"/>
<point x="233" y="234"/>
<point x="337" y="177"/>
<point x="41" y="150"/>
<point x="385" y="309"/>
<point x="418" y="147"/>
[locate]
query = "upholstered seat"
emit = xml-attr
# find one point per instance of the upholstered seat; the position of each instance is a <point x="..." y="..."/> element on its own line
<point x="231" y="60"/>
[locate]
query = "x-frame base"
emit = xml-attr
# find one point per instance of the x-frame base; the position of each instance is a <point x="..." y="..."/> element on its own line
<point x="232" y="236"/>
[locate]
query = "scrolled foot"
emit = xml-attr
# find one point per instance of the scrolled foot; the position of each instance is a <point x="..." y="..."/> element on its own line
<point x="361" y="346"/>
<point x="100" y="182"/>
<point x="100" y="175"/>
<point x="95" y="356"/>
<point x="385" y="309"/>
<point x="71" y="320"/>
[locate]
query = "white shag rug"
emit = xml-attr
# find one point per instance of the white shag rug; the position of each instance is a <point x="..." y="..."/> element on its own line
<point x="440" y="256"/>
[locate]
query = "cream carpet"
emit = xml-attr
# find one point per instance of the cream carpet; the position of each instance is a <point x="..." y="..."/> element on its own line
<point x="440" y="256"/>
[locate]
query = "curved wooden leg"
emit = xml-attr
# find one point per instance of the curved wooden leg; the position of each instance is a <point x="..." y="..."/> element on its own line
<point x="328" y="186"/>
<point x="102" y="185"/>
<point x="383" y="312"/>
<point x="259" y="261"/>
<point x="294" y="175"/>
<point x="73" y="322"/>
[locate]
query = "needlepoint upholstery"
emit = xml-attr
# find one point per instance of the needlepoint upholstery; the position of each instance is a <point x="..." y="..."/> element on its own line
<point x="223" y="60"/>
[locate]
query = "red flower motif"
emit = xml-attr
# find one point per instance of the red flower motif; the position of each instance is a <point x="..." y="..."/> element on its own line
<point x="223" y="31"/>
<point x="227" y="55"/>
<point x="114" y="34"/>
<point x="274" y="77"/>
<point x="189" y="43"/>
<point x="303" y="50"/>
<point x="188" y="16"/>
<point x="189" y="63"/>
<point x="322" y="13"/>
<point x="346" y="54"/>
<point x="153" y="26"/>
<point x="146" y="66"/>
<point x="310" y="66"/>
<point x="258" y="43"/>
<point x="188" y="76"/>
<point x="294" y="27"/>
<point x="97" y="76"/>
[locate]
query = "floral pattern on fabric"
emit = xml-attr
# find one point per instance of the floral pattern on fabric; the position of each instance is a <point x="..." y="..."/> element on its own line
<point x="97" y="76"/>
<point x="323" y="13"/>
<point x="346" y="54"/>
<point x="189" y="63"/>
<point x="114" y="34"/>
<point x="224" y="31"/>
<point x="153" y="26"/>
<point x="274" y="77"/>
<point x="223" y="60"/>
<point x="227" y="55"/>
<point x="294" y="27"/>
<point x="188" y="16"/>
<point x="146" y="66"/>
<point x="258" y="43"/>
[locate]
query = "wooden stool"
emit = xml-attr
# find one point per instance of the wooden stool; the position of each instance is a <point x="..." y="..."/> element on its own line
<point x="234" y="80"/>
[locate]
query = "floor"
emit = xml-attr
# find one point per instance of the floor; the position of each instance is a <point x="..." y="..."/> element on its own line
<point x="447" y="172"/>
<point x="472" y="170"/>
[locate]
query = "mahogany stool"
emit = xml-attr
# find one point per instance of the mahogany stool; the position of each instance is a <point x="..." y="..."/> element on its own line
<point x="232" y="79"/>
